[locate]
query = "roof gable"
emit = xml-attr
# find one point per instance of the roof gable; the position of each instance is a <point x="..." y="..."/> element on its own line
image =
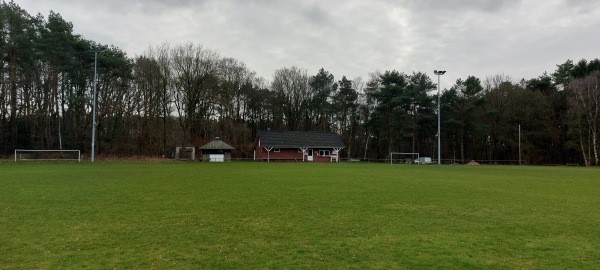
<point x="300" y="139"/>
<point x="216" y="144"/>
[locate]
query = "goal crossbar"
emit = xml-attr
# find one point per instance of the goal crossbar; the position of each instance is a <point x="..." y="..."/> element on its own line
<point x="46" y="155"/>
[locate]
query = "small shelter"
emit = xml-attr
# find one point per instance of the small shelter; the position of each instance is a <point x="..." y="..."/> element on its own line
<point x="216" y="151"/>
<point x="312" y="146"/>
<point x="180" y="152"/>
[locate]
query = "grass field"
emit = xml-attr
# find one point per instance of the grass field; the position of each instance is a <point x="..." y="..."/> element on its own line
<point x="174" y="215"/>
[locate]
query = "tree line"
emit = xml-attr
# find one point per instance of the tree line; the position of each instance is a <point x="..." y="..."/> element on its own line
<point x="186" y="94"/>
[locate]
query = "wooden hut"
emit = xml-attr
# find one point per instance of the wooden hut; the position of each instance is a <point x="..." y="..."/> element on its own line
<point x="216" y="151"/>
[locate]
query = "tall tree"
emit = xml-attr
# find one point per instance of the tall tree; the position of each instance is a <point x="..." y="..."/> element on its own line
<point x="508" y="106"/>
<point x="153" y="84"/>
<point x="367" y="107"/>
<point x="584" y="111"/>
<point x="165" y="86"/>
<point x="70" y="65"/>
<point x="419" y="106"/>
<point x="322" y="86"/>
<point x="389" y="118"/>
<point x="194" y="73"/>
<point x="498" y="89"/>
<point x="291" y="86"/>
<point x="17" y="34"/>
<point x="233" y="75"/>
<point x="345" y="108"/>
<point x="466" y="99"/>
<point x="556" y="127"/>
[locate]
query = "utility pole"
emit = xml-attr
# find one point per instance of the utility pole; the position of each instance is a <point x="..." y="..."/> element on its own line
<point x="439" y="135"/>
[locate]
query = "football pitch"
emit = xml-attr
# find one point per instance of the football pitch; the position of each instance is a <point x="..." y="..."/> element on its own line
<point x="244" y="215"/>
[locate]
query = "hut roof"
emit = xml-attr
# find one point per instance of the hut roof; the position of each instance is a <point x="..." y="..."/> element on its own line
<point x="299" y="139"/>
<point x="216" y="144"/>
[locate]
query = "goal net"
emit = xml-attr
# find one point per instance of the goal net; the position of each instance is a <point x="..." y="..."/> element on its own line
<point x="47" y="155"/>
<point x="404" y="158"/>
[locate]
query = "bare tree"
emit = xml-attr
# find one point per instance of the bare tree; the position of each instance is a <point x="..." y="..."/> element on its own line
<point x="229" y="102"/>
<point x="162" y="60"/>
<point x="291" y="86"/>
<point x="194" y="76"/>
<point x="584" y="110"/>
<point x="367" y="105"/>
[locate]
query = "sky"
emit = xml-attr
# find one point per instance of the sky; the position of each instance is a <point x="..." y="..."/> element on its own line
<point x="352" y="38"/>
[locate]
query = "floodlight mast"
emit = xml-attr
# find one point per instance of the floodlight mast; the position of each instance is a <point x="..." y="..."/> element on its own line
<point x="439" y="73"/>
<point x="94" y="104"/>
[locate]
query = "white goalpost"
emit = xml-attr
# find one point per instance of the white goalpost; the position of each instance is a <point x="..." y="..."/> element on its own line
<point x="47" y="155"/>
<point x="404" y="158"/>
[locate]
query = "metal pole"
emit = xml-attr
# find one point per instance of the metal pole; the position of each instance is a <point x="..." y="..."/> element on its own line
<point x="94" y="103"/>
<point x="439" y="112"/>
<point x="439" y="127"/>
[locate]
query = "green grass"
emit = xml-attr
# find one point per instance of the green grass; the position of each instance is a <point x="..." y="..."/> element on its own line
<point x="299" y="216"/>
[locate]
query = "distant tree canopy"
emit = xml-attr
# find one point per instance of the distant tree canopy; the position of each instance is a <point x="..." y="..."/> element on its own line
<point x="185" y="94"/>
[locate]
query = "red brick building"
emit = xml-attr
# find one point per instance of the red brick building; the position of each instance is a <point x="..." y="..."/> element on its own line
<point x="299" y="146"/>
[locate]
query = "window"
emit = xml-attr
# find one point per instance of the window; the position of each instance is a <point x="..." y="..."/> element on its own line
<point x="276" y="150"/>
<point x="324" y="153"/>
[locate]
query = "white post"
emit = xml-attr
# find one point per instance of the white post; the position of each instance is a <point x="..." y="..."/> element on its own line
<point x="337" y="150"/>
<point x="94" y="103"/>
<point x="304" y="149"/>
<point x="268" y="153"/>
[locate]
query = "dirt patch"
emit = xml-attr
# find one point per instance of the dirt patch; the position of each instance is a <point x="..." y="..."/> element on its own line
<point x="473" y="163"/>
<point x="129" y="158"/>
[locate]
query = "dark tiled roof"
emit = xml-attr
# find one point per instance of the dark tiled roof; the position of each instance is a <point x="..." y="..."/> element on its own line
<point x="297" y="139"/>
<point x="216" y="144"/>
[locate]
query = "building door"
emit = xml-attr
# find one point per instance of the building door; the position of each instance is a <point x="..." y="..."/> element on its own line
<point x="309" y="155"/>
<point x="216" y="158"/>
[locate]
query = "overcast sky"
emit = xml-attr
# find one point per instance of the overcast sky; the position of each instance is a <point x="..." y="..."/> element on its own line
<point x="351" y="38"/>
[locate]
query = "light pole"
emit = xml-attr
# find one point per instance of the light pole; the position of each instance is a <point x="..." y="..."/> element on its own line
<point x="439" y="135"/>
<point x="94" y="104"/>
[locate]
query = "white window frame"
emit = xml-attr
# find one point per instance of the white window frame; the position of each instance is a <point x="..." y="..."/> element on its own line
<point x="324" y="153"/>
<point x="276" y="150"/>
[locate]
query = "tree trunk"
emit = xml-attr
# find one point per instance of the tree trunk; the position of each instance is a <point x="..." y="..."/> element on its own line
<point x="13" y="101"/>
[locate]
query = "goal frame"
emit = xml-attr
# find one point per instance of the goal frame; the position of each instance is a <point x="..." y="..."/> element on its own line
<point x="402" y="153"/>
<point x="78" y="159"/>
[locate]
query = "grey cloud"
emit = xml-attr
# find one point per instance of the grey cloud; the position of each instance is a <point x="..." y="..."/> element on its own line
<point x="352" y="38"/>
<point x="489" y="6"/>
<point x="149" y="7"/>
<point x="316" y="15"/>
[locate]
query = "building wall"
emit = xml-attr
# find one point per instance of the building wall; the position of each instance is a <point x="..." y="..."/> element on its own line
<point x="318" y="158"/>
<point x="289" y="154"/>
<point x="206" y="156"/>
<point x="285" y="154"/>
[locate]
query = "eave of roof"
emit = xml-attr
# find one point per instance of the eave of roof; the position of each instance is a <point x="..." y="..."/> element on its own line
<point x="300" y="139"/>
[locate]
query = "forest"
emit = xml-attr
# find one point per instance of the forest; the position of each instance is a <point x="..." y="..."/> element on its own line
<point x="186" y="94"/>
